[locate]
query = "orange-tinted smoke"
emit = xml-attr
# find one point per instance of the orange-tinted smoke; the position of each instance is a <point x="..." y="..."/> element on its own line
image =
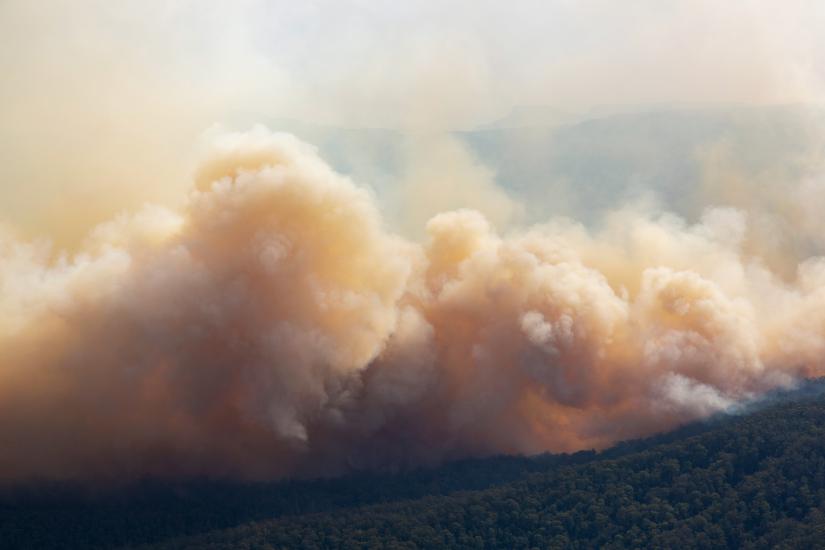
<point x="274" y="327"/>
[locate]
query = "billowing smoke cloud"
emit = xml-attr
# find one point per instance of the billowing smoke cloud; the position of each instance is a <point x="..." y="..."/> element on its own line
<point x="274" y="327"/>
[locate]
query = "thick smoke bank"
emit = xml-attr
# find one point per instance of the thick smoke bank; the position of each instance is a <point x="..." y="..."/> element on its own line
<point x="273" y="327"/>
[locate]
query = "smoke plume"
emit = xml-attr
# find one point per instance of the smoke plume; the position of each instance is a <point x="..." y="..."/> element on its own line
<point x="274" y="327"/>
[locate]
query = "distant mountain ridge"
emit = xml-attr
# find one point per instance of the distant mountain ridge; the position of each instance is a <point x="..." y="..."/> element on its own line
<point x="581" y="165"/>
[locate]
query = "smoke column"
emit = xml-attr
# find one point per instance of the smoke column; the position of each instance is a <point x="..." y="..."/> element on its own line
<point x="273" y="327"/>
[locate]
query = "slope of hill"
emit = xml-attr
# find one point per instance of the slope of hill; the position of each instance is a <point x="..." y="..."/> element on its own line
<point x="72" y="516"/>
<point x="756" y="480"/>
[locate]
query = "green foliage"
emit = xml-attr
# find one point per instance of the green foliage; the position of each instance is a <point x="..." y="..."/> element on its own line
<point x="69" y="516"/>
<point x="750" y="481"/>
<point x="754" y="481"/>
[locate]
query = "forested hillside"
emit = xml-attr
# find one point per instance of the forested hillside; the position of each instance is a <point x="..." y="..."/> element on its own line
<point x="751" y="481"/>
<point x="756" y="478"/>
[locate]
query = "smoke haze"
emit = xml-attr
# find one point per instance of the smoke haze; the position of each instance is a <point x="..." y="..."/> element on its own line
<point x="101" y="102"/>
<point x="182" y="295"/>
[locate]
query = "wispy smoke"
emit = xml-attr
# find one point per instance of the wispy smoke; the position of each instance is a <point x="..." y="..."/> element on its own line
<point x="274" y="327"/>
<point x="92" y="89"/>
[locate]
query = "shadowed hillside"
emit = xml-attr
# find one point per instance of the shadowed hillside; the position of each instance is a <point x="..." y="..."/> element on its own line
<point x="756" y="480"/>
<point x="701" y="478"/>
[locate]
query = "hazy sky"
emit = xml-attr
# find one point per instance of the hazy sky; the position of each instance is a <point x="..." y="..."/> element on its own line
<point x="103" y="102"/>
